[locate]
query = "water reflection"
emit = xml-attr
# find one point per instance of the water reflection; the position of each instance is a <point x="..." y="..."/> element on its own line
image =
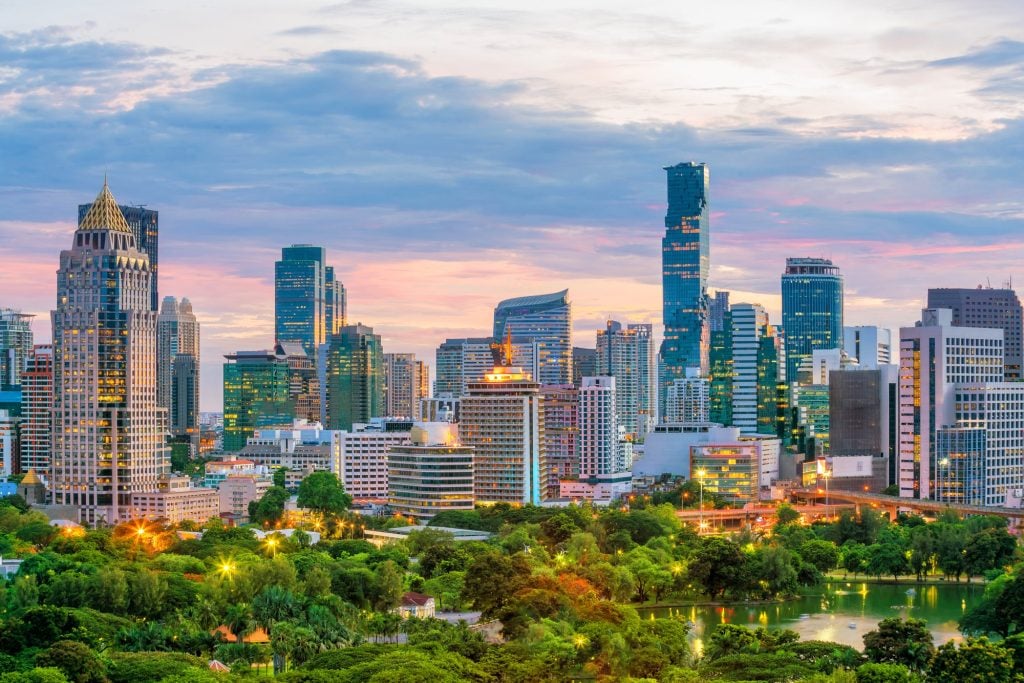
<point x="844" y="612"/>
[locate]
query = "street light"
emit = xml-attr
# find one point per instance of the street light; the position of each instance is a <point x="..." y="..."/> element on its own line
<point x="701" y="473"/>
<point x="272" y="545"/>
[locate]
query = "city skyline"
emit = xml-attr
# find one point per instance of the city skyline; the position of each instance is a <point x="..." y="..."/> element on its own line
<point x="891" y="190"/>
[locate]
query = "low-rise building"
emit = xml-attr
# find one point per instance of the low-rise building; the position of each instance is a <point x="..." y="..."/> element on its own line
<point x="238" y="490"/>
<point x="416" y="605"/>
<point x="431" y="474"/>
<point x="175" y="500"/>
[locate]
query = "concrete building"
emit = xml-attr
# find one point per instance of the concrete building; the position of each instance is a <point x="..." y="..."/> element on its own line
<point x="863" y="414"/>
<point x="560" y="403"/>
<point x="174" y="501"/>
<point x="584" y="364"/>
<point x="236" y="491"/>
<point x="177" y="365"/>
<point x="216" y="471"/>
<point x="431" y="473"/>
<point x="996" y="409"/>
<point x="934" y="357"/>
<point x="688" y="400"/>
<point x="667" y="449"/>
<point x="145" y="227"/>
<point x="628" y="355"/>
<point x="731" y="470"/>
<point x="503" y="421"/>
<point x="362" y="458"/>
<point x="870" y="345"/>
<point x="108" y="442"/>
<point x="406" y="383"/>
<point x="440" y="408"/>
<point x="990" y="308"/>
<point x="37" y="410"/>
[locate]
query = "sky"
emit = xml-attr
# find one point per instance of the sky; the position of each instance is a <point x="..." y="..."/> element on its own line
<point x="453" y="154"/>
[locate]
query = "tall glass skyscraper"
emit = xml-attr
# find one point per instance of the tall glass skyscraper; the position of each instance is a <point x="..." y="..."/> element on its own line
<point x="547" y="320"/>
<point x="15" y="345"/>
<point x="309" y="302"/>
<point x="812" y="309"/>
<point x="355" y="377"/>
<point x="685" y="259"/>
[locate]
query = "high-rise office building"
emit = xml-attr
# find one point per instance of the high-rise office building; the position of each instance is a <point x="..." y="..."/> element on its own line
<point x="560" y="403"/>
<point x="599" y="451"/>
<point x="406" y="382"/>
<point x="720" y="373"/>
<point x="685" y="255"/>
<point x="355" y="377"/>
<point x="15" y="345"/>
<point x="997" y="410"/>
<point x="461" y="361"/>
<point x="177" y="338"/>
<point x="335" y="303"/>
<point x="145" y="226"/>
<point x="431" y="474"/>
<point x="627" y="354"/>
<point x="718" y="309"/>
<point x="934" y="357"/>
<point x="812" y="309"/>
<point x="988" y="307"/>
<point x="863" y="403"/>
<point x="307" y="297"/>
<point x="36" y="410"/>
<point x="749" y="323"/>
<point x="502" y="419"/>
<point x="547" y="320"/>
<point x="772" y="394"/>
<point x="108" y="432"/>
<point x="257" y="386"/>
<point x="584" y="364"/>
<point x="870" y="345"/>
<point x="184" y="415"/>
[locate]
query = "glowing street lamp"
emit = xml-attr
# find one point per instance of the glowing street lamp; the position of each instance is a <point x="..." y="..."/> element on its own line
<point x="701" y="473"/>
<point x="226" y="568"/>
<point x="271" y="545"/>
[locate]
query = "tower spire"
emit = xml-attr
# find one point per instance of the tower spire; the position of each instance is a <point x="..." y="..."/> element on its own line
<point x="105" y="214"/>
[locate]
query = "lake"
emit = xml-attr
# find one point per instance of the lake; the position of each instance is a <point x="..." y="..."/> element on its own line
<point x="842" y="612"/>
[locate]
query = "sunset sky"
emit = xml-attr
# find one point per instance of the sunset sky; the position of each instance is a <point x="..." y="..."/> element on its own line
<point x="450" y="155"/>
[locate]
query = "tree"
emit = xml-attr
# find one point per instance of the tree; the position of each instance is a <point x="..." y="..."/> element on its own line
<point x="885" y="559"/>
<point x="492" y="578"/>
<point x="988" y="549"/>
<point x="323" y="493"/>
<point x="822" y="554"/>
<point x="785" y="514"/>
<point x="922" y="550"/>
<point x="390" y="586"/>
<point x="896" y="641"/>
<point x="885" y="673"/>
<point x="717" y="564"/>
<point x="269" y="509"/>
<point x="975" y="660"/>
<point x="280" y="477"/>
<point x="854" y="557"/>
<point x="79" y="663"/>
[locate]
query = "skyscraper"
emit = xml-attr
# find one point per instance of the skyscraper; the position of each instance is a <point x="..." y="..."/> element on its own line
<point x="178" y="339"/>
<point x="256" y="394"/>
<point x="812" y="309"/>
<point x="627" y="354"/>
<point x="934" y="356"/>
<point x="405" y="383"/>
<point x="36" y="406"/>
<point x="988" y="307"/>
<point x="560" y="404"/>
<point x="599" y="436"/>
<point x="720" y="373"/>
<point x="15" y="345"/>
<point x="108" y="432"/>
<point x="355" y="377"/>
<point x="584" y="364"/>
<point x="685" y="263"/>
<point x="308" y="300"/>
<point x="718" y="310"/>
<point x="502" y="419"/>
<point x="749" y="323"/>
<point x="145" y="226"/>
<point x="547" y="320"/>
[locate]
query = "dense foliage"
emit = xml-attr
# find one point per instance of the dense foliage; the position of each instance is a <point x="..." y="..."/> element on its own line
<point x="557" y="589"/>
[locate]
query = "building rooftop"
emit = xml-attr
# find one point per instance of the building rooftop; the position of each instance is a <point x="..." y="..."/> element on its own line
<point x="536" y="300"/>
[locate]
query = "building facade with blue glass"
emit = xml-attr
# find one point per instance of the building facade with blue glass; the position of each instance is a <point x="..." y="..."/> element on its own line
<point x="685" y="261"/>
<point x="812" y="309"/>
<point x="547" y="320"/>
<point x="309" y="301"/>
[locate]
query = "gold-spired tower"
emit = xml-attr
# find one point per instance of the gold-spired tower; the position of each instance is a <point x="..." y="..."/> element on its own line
<point x="108" y="432"/>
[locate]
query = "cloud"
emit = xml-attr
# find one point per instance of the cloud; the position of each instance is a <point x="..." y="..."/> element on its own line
<point x="1001" y="53"/>
<point x="438" y="196"/>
